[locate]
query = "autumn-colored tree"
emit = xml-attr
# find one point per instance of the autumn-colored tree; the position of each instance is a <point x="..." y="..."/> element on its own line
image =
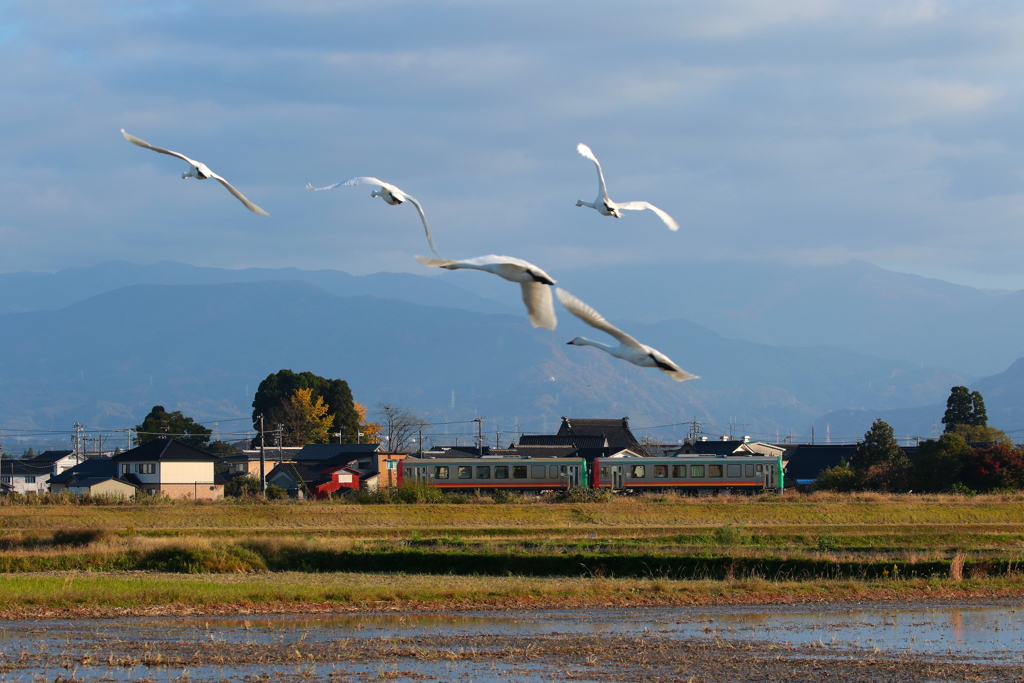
<point x="370" y="430"/>
<point x="306" y="419"/>
<point x="995" y="467"/>
<point x="275" y="392"/>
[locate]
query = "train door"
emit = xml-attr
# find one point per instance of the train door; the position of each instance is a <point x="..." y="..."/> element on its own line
<point x="570" y="474"/>
<point x="769" y="477"/>
<point x="618" y="477"/>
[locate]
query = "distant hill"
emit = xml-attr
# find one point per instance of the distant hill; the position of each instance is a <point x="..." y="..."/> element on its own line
<point x="203" y="349"/>
<point x="1004" y="402"/>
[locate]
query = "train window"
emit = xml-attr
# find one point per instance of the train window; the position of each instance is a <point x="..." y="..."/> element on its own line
<point x="501" y="472"/>
<point x="441" y="472"/>
<point x="714" y="470"/>
<point x="697" y="471"/>
<point x="679" y="471"/>
<point x="748" y="470"/>
<point x="553" y="471"/>
<point x="638" y="471"/>
<point x="660" y="471"/>
<point x="538" y="472"/>
<point x="519" y="471"/>
<point x="734" y="471"/>
<point x="483" y="471"/>
<point x="604" y="471"/>
<point x="465" y="471"/>
<point x="760" y="468"/>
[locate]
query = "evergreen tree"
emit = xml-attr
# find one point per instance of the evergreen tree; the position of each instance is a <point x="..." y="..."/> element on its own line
<point x="880" y="460"/>
<point x="274" y="394"/>
<point x="175" y="425"/>
<point x="959" y="409"/>
<point x="937" y="464"/>
<point x="979" y="418"/>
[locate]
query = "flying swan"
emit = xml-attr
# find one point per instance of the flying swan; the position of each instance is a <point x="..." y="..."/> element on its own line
<point x="535" y="282"/>
<point x="197" y="170"/>
<point x="606" y="207"/>
<point x="629" y="349"/>
<point x="389" y="193"/>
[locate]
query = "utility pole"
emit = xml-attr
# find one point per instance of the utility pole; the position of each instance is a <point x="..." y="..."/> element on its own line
<point x="263" y="460"/>
<point x="812" y="435"/>
<point x="76" y="440"/>
<point x="420" y="442"/>
<point x="480" y="434"/>
<point x="279" y="435"/>
<point x="695" y="429"/>
<point x="497" y="438"/>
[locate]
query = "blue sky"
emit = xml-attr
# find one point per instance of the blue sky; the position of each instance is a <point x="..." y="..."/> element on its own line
<point x="793" y="131"/>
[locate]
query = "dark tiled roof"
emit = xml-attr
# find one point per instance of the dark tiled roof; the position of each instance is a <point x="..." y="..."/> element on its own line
<point x="328" y="451"/>
<point x="617" y="432"/>
<point x="132" y="479"/>
<point x="577" y="440"/>
<point x="712" y="447"/>
<point x="51" y="456"/>
<point x="93" y="467"/>
<point x="13" y="466"/>
<point x="547" y="451"/>
<point x="807" y="462"/>
<point x="166" y="449"/>
<point x="306" y="474"/>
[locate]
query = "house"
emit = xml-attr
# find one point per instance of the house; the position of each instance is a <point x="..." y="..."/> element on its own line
<point x="313" y="480"/>
<point x="58" y="461"/>
<point x="90" y="468"/>
<point x="586" y="447"/>
<point x="170" y="467"/>
<point x="102" y="486"/>
<point x="248" y="461"/>
<point x="723" y="446"/>
<point x="375" y="466"/>
<point x="616" y="432"/>
<point x="24" y="476"/>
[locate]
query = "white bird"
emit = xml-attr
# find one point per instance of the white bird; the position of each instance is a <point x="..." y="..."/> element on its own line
<point x="197" y="170"/>
<point x="629" y="349"/>
<point x="606" y="207"/>
<point x="536" y="284"/>
<point x="389" y="193"/>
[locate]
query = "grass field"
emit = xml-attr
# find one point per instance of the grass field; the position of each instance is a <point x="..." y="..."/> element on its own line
<point x="817" y="546"/>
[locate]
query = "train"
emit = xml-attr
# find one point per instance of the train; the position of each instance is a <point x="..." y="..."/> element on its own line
<point x="697" y="474"/>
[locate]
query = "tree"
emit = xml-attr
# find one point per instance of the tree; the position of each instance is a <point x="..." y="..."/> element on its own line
<point x="307" y="419"/>
<point x="160" y="423"/>
<point x="995" y="467"/>
<point x="880" y="460"/>
<point x="979" y="434"/>
<point x="400" y="425"/>
<point x="838" y="478"/>
<point x="959" y="409"/>
<point x="937" y="464"/>
<point x="371" y="431"/>
<point x="243" y="485"/>
<point x="275" y="392"/>
<point x="979" y="417"/>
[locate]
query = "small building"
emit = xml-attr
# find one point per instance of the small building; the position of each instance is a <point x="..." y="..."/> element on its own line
<point x="90" y="468"/>
<point x="103" y="486"/>
<point x="59" y="461"/>
<point x="24" y="476"/>
<point x="172" y="468"/>
<point x="723" y="446"/>
<point x="248" y="461"/>
<point x="313" y="481"/>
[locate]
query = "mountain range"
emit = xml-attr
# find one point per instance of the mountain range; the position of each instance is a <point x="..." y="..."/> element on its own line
<point x="101" y="345"/>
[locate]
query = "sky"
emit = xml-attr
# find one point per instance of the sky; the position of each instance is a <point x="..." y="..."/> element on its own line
<point x="794" y="131"/>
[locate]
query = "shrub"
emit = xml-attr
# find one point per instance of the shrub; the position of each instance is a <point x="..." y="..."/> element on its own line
<point x="582" y="495"/>
<point x="729" y="535"/>
<point x="244" y="485"/>
<point x="276" y="492"/>
<point x="838" y="478"/>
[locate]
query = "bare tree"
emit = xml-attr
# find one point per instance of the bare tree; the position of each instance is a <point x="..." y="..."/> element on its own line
<point x="400" y="425"/>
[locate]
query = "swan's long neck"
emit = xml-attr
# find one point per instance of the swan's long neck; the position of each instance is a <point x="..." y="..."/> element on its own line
<point x="583" y="341"/>
<point x="580" y="202"/>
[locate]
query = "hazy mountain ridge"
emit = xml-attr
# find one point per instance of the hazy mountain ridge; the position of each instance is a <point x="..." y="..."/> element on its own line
<point x="204" y="348"/>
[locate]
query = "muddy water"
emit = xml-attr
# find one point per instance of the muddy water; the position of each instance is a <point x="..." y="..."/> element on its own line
<point x="939" y="642"/>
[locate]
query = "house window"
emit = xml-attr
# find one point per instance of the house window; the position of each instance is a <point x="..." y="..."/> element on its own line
<point x="5" y="479"/>
<point x="638" y="471"/>
<point x="714" y="470"/>
<point x="697" y="471"/>
<point x="734" y="471"/>
<point x="661" y="471"/>
<point x="441" y="472"/>
<point x="679" y="471"/>
<point x="146" y="468"/>
<point x="125" y="468"/>
<point x="483" y="472"/>
<point x="748" y="470"/>
<point x="538" y="471"/>
<point x="501" y="472"/>
<point x="30" y="480"/>
<point x="465" y="471"/>
<point x="519" y="471"/>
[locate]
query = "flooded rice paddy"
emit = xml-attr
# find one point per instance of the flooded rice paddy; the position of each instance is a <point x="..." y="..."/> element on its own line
<point x="909" y="642"/>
